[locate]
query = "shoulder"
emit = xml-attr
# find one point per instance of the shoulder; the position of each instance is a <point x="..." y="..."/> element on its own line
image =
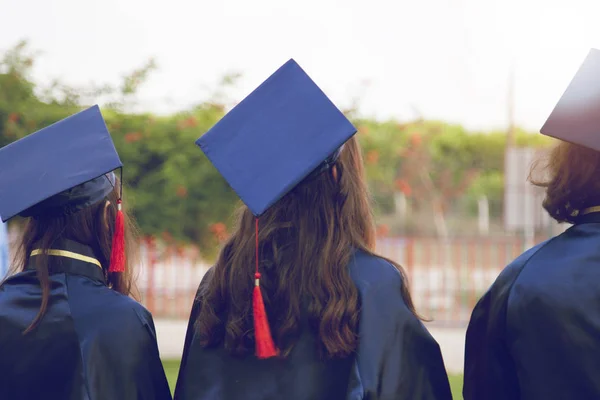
<point x="19" y="278"/>
<point x="123" y="311"/>
<point x="511" y="272"/>
<point x="369" y="270"/>
<point x="384" y="306"/>
<point x="496" y="297"/>
<point x="380" y="284"/>
<point x="128" y="303"/>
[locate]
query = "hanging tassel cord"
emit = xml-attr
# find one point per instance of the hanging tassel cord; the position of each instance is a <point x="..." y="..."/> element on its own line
<point x="117" y="255"/>
<point x="265" y="346"/>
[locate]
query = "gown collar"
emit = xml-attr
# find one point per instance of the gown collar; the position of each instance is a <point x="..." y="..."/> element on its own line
<point x="73" y="258"/>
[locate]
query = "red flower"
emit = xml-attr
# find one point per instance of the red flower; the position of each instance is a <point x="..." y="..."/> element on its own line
<point x="218" y="227"/>
<point x="372" y="157"/>
<point x="191" y="122"/>
<point x="415" y="139"/>
<point x="13" y="117"/>
<point x="383" y="230"/>
<point x="133" y="137"/>
<point x="181" y="191"/>
<point x="219" y="230"/>
<point x="403" y="187"/>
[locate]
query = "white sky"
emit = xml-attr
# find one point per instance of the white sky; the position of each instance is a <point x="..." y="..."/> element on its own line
<point x="449" y="59"/>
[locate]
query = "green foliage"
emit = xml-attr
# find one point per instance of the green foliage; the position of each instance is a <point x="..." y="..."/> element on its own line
<point x="172" y="186"/>
<point x="491" y="185"/>
<point x="173" y="190"/>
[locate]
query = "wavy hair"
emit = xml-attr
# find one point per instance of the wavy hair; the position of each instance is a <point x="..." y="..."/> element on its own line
<point x="307" y="240"/>
<point x="569" y="176"/>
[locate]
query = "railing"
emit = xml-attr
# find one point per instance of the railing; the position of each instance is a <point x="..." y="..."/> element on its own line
<point x="169" y="277"/>
<point x="446" y="278"/>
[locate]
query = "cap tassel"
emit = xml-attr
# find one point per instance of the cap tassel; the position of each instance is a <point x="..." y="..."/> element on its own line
<point x="117" y="255"/>
<point x="265" y="347"/>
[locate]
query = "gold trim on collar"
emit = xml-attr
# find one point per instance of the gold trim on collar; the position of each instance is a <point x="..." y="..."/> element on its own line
<point x="590" y="210"/>
<point x="68" y="254"/>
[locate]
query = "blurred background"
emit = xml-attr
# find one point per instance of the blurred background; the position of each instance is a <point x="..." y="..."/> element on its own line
<point x="448" y="97"/>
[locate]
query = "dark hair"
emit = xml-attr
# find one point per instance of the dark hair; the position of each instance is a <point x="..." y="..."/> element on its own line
<point x="307" y="240"/>
<point x="88" y="226"/>
<point x="569" y="173"/>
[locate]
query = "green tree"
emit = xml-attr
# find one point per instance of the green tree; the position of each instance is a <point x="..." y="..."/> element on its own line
<point x="174" y="191"/>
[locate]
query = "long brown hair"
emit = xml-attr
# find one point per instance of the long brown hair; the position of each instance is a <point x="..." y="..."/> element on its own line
<point x="569" y="173"/>
<point x="92" y="226"/>
<point x="307" y="240"/>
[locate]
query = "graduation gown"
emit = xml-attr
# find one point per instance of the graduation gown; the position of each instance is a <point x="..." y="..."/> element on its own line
<point x="396" y="357"/>
<point x="92" y="344"/>
<point x="536" y="333"/>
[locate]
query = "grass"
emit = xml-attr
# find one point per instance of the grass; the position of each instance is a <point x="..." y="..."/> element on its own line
<point x="172" y="368"/>
<point x="456" y="384"/>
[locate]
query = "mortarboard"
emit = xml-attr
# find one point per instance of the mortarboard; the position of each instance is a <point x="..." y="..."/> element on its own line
<point x="275" y="137"/>
<point x="285" y="130"/>
<point x="576" y="116"/>
<point x="62" y="168"/>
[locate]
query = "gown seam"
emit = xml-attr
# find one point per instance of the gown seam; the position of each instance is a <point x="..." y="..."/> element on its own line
<point x="510" y="290"/>
<point x="520" y="270"/>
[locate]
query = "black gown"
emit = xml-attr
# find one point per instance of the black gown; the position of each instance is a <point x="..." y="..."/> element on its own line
<point x="536" y="333"/>
<point x="92" y="344"/>
<point x="396" y="357"/>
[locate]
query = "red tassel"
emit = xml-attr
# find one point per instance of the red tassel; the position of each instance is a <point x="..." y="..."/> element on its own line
<point x="117" y="255"/>
<point x="265" y="347"/>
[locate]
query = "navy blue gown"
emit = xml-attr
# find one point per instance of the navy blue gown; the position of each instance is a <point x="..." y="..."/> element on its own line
<point x="92" y="344"/>
<point x="396" y="358"/>
<point x="536" y="333"/>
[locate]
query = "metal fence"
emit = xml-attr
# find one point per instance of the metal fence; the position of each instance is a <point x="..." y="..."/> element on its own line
<point x="446" y="277"/>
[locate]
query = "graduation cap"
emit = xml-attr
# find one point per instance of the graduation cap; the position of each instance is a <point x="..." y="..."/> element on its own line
<point x="62" y="168"/>
<point x="284" y="131"/>
<point x="576" y="116"/>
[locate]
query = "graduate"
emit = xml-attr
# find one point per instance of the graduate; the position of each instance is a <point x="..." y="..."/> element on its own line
<point x="298" y="305"/>
<point x="536" y="333"/>
<point x="68" y="328"/>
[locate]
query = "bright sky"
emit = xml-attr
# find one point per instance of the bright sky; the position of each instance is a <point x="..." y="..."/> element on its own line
<point x="446" y="59"/>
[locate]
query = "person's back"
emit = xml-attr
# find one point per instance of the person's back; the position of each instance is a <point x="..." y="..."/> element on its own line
<point x="297" y="305"/>
<point x="536" y="333"/>
<point x="413" y="369"/>
<point x="213" y="373"/>
<point x="89" y="335"/>
<point x="553" y="326"/>
<point x="68" y="328"/>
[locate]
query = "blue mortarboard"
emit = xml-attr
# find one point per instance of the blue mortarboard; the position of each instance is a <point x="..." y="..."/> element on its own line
<point x="284" y="130"/>
<point x="576" y="116"/>
<point x="63" y="167"/>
